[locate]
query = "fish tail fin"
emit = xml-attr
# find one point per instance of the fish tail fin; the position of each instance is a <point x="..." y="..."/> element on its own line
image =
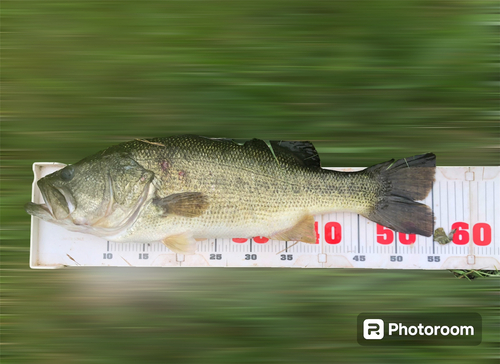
<point x="405" y="181"/>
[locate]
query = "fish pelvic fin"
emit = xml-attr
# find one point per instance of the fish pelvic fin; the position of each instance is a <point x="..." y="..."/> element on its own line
<point x="180" y="243"/>
<point x="405" y="181"/>
<point x="302" y="231"/>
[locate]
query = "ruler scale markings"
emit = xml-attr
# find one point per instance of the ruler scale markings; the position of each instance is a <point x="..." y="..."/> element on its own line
<point x="341" y="248"/>
<point x="359" y="238"/>
<point x="395" y="243"/>
<point x="455" y="199"/>
<point x="454" y="217"/>
<point x="443" y="211"/>
<point x="492" y="204"/>
<point x="487" y="207"/>
<point x="434" y="214"/>
<point x="451" y="196"/>
<point x="448" y="202"/>
<point x="490" y="247"/>
<point x="468" y="218"/>
<point x="473" y="202"/>
<point x="483" y="209"/>
<point x="355" y="228"/>
<point x="478" y="196"/>
<point x="478" y="203"/>
<point x="426" y="249"/>
<point x="352" y="240"/>
<point x="486" y="200"/>
<point x="365" y="243"/>
<point x="463" y="204"/>
<point x="496" y="246"/>
<point x="337" y="219"/>
<point x="464" y="188"/>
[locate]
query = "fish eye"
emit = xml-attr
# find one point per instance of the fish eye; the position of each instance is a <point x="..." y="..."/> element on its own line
<point x="68" y="173"/>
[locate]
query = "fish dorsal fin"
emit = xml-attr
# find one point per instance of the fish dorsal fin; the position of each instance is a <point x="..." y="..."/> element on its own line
<point x="293" y="152"/>
<point x="301" y="152"/>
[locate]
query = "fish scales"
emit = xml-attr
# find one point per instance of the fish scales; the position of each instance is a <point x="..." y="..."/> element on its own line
<point x="249" y="191"/>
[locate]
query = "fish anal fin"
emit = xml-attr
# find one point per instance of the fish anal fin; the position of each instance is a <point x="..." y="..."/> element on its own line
<point x="187" y="204"/>
<point x="180" y="243"/>
<point x="302" y="231"/>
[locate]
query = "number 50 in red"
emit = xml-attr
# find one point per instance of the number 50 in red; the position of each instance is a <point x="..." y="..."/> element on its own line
<point x="385" y="236"/>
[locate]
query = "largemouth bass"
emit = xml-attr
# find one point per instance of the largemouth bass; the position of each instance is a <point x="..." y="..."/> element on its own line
<point x="182" y="188"/>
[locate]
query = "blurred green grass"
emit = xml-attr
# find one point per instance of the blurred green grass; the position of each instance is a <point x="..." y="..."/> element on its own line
<point x="366" y="81"/>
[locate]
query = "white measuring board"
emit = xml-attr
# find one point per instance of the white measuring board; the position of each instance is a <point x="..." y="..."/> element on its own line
<point x="465" y="198"/>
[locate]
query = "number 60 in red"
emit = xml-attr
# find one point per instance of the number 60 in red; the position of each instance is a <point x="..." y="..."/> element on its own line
<point x="481" y="233"/>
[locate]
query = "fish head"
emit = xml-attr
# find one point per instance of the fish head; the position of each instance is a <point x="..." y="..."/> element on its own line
<point x="101" y="194"/>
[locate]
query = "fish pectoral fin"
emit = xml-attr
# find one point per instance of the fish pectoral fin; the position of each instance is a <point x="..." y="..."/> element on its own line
<point x="187" y="204"/>
<point x="303" y="231"/>
<point x="180" y="243"/>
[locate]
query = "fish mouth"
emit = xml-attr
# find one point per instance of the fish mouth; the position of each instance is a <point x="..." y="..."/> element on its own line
<point x="41" y="211"/>
<point x="58" y="203"/>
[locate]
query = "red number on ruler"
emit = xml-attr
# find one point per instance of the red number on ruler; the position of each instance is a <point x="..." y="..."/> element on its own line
<point x="260" y="239"/>
<point x="461" y="236"/>
<point x="239" y="240"/>
<point x="317" y="232"/>
<point x="257" y="239"/>
<point x="476" y="234"/>
<point x="407" y="239"/>
<point x="385" y="236"/>
<point x="481" y="233"/>
<point x="337" y="237"/>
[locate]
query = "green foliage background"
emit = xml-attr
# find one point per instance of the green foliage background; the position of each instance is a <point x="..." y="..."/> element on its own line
<point x="364" y="80"/>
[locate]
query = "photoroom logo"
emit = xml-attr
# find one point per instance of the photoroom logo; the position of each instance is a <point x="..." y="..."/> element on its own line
<point x="420" y="329"/>
<point x="373" y="329"/>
